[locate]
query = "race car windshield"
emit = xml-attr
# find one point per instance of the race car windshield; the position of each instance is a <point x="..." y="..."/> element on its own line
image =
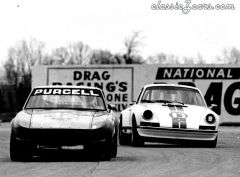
<point x="68" y="100"/>
<point x="168" y="94"/>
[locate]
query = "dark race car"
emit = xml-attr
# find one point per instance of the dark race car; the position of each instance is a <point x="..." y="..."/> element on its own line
<point x="55" y="116"/>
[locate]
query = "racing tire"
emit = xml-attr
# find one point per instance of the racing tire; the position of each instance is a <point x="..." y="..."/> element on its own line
<point x="90" y="151"/>
<point x="124" y="138"/>
<point x="115" y="145"/>
<point x="19" y="151"/>
<point x="136" y="139"/>
<point x="107" y="149"/>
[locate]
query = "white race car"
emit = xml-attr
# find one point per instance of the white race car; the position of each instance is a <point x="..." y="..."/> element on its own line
<point x="169" y="113"/>
<point x="55" y="116"/>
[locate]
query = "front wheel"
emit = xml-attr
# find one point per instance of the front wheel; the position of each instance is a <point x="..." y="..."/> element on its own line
<point x="19" y="151"/>
<point x="136" y="139"/>
<point x="107" y="149"/>
<point x="115" y="145"/>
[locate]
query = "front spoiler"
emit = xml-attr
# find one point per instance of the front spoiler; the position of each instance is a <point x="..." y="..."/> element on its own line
<point x="175" y="134"/>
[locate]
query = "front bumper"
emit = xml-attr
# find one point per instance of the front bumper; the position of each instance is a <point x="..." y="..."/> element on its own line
<point x="67" y="137"/>
<point x="176" y="134"/>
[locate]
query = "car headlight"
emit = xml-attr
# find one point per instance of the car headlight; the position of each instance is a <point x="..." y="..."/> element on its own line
<point x="101" y="121"/>
<point x="97" y="123"/>
<point x="147" y="114"/>
<point x="22" y="120"/>
<point x="210" y="118"/>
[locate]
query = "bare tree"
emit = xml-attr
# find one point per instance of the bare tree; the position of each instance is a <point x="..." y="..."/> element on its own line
<point x="20" y="59"/>
<point x="188" y="60"/>
<point x="11" y="69"/>
<point x="200" y="59"/>
<point x="163" y="58"/>
<point x="73" y="54"/>
<point x="119" y="59"/>
<point x="160" y="58"/>
<point x="131" y="45"/>
<point x="103" y="57"/>
<point x="79" y="53"/>
<point x="230" y="56"/>
<point x="59" y="56"/>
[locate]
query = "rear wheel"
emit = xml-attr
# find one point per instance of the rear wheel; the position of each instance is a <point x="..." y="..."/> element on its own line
<point x="19" y="151"/>
<point x="136" y="139"/>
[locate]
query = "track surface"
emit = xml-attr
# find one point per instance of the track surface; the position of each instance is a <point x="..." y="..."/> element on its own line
<point x="151" y="160"/>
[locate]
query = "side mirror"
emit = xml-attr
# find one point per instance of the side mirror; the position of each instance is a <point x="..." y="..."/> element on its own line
<point x="112" y="107"/>
<point x="215" y="108"/>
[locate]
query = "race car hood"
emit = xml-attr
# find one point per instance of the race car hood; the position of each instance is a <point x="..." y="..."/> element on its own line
<point x="62" y="119"/>
<point x="169" y="114"/>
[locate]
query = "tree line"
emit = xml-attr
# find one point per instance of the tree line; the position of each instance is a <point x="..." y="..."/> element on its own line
<point x="25" y="54"/>
<point x="29" y="53"/>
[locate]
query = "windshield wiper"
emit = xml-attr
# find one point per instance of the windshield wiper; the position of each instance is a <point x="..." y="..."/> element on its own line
<point x="179" y="102"/>
<point x="167" y="102"/>
<point x="146" y="101"/>
<point x="156" y="101"/>
<point x="162" y="101"/>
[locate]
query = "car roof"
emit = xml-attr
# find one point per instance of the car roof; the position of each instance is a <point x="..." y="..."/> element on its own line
<point x="171" y="85"/>
<point x="67" y="86"/>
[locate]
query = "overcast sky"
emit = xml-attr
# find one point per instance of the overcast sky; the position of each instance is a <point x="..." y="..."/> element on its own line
<point x="104" y="24"/>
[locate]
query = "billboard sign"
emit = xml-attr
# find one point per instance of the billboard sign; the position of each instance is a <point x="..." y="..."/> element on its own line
<point x="115" y="82"/>
<point x="220" y="84"/>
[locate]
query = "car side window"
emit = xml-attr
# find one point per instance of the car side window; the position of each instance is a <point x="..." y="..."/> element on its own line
<point x="146" y="95"/>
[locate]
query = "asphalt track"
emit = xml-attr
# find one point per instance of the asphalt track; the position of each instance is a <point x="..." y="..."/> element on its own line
<point x="151" y="160"/>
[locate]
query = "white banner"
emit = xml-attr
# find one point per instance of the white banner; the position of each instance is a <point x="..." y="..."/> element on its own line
<point x="115" y="82"/>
